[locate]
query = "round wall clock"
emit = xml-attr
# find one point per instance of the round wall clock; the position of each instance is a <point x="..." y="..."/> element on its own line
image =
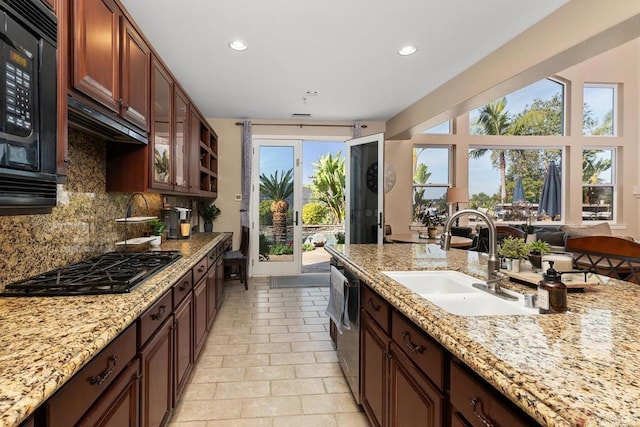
<point x="372" y="177"/>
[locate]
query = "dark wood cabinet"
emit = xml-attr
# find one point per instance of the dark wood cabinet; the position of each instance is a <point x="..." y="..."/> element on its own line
<point x="77" y="397"/>
<point x="135" y="76"/>
<point x="183" y="341"/>
<point x="212" y="295"/>
<point x="118" y="406"/>
<point x="374" y="368"/>
<point x="414" y="401"/>
<point x="219" y="279"/>
<point x="156" y="358"/>
<point x="204" y="157"/>
<point x="200" y="316"/>
<point x="96" y="51"/>
<point x="110" y="60"/>
<point x="161" y="158"/>
<point x="181" y="141"/>
<point x="61" y="9"/>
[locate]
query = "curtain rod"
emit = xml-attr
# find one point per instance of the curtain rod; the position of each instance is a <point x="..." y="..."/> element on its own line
<point x="301" y="125"/>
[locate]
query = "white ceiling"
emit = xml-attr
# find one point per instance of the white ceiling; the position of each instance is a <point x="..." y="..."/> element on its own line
<point x="345" y="50"/>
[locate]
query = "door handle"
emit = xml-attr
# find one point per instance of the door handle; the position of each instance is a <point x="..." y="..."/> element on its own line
<point x="380" y="221"/>
<point x="296" y="219"/>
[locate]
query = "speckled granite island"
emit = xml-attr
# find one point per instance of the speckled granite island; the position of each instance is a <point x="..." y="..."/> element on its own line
<point x="46" y="340"/>
<point x="581" y="368"/>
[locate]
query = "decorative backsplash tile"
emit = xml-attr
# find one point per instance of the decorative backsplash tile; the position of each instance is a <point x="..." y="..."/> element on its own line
<point x="81" y="225"/>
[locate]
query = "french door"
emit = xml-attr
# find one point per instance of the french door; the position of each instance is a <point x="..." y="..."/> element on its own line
<point x="276" y="242"/>
<point x="364" y="218"/>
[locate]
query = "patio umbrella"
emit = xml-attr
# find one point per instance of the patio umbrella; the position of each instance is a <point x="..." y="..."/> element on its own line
<point x="550" y="201"/>
<point x="518" y="191"/>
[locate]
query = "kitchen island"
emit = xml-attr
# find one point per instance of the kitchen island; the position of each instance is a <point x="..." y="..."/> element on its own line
<point x="46" y="340"/>
<point x="580" y="368"/>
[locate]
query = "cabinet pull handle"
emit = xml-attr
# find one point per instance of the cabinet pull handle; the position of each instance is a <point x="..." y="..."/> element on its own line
<point x="111" y="365"/>
<point x="415" y="349"/>
<point x="183" y="286"/>
<point x="474" y="402"/>
<point x="373" y="306"/>
<point x="201" y="269"/>
<point x="158" y="315"/>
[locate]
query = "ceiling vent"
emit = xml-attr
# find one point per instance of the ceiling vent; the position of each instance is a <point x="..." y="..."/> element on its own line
<point x="301" y="115"/>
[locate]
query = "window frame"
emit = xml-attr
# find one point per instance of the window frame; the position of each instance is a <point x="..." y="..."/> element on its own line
<point x="451" y="174"/>
<point x="613" y="184"/>
<point x="614" y="102"/>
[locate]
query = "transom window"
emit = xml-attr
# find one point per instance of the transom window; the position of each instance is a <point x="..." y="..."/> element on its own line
<point x="599" y="110"/>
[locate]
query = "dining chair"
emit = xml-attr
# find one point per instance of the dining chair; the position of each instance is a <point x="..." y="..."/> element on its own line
<point x="502" y="231"/>
<point x="616" y="257"/>
<point x="239" y="258"/>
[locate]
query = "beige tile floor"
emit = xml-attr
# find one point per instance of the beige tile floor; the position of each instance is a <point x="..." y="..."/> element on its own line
<point x="269" y="361"/>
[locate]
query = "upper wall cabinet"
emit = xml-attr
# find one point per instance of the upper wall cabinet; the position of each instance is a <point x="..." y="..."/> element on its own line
<point x="181" y="141"/>
<point x="110" y="61"/>
<point x="160" y="142"/>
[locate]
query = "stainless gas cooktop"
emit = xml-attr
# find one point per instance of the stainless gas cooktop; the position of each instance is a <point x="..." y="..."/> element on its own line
<point x="110" y="273"/>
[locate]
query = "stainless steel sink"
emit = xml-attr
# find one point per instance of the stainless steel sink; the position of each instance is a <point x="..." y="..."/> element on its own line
<point x="454" y="292"/>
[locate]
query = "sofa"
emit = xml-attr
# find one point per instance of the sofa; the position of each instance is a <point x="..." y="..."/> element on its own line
<point x="557" y="235"/>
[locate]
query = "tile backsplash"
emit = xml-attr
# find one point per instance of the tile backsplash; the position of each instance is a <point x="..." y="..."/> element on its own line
<point x="81" y="225"/>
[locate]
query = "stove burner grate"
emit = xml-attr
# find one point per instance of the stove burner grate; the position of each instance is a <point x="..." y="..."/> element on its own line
<point x="110" y="273"/>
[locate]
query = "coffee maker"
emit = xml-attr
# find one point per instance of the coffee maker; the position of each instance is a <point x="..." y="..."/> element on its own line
<point x="178" y="222"/>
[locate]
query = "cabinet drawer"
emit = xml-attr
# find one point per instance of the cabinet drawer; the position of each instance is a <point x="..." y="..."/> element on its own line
<point x="151" y="319"/>
<point x="67" y="406"/>
<point x="420" y="348"/>
<point x="212" y="256"/>
<point x="480" y="405"/>
<point x="182" y="288"/>
<point x="199" y="270"/>
<point x="377" y="307"/>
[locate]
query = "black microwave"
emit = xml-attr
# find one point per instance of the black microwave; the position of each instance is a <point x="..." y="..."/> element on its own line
<point x="28" y="107"/>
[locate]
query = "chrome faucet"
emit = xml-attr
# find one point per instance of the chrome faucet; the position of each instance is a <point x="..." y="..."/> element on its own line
<point x="494" y="277"/>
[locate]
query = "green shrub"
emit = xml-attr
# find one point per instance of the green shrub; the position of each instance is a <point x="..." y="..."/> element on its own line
<point x="281" y="249"/>
<point x="315" y="213"/>
<point x="340" y="237"/>
<point x="266" y="217"/>
<point x="308" y="247"/>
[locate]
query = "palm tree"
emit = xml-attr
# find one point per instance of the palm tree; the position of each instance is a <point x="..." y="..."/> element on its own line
<point x="278" y="190"/>
<point x="328" y="182"/>
<point x="495" y="120"/>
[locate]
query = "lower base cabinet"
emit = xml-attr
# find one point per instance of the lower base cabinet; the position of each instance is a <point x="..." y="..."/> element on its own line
<point x="199" y="316"/>
<point x="118" y="407"/>
<point x="183" y="341"/>
<point x="156" y="358"/>
<point x="406" y="374"/>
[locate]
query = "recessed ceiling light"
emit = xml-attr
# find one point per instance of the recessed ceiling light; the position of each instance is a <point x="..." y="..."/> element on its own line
<point x="312" y="92"/>
<point x="407" y="50"/>
<point x="238" y="45"/>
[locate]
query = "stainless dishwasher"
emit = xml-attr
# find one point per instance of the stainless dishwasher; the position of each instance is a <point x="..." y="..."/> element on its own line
<point x="348" y="334"/>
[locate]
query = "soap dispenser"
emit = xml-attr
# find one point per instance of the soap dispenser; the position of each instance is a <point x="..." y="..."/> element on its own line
<point x="552" y="293"/>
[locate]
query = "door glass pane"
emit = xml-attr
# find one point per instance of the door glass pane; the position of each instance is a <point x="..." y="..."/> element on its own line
<point x="276" y="203"/>
<point x="161" y="137"/>
<point x="181" y="152"/>
<point x="363" y="197"/>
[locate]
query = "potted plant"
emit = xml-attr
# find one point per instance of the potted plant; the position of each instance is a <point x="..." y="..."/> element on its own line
<point x="431" y="220"/>
<point x="209" y="214"/>
<point x="513" y="249"/>
<point x="537" y="248"/>
<point x="157" y="228"/>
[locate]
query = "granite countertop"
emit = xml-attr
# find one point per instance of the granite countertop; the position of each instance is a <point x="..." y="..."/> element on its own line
<point x="46" y="340"/>
<point x="580" y="368"/>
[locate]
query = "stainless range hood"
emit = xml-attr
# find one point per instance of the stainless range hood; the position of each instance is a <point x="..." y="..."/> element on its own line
<point x="89" y="119"/>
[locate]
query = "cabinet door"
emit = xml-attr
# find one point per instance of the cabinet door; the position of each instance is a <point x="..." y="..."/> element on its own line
<point x="414" y="401"/>
<point x="157" y="377"/>
<point x="181" y="139"/>
<point x="219" y="281"/>
<point x="62" y="149"/>
<point x="373" y="369"/>
<point x="161" y="137"/>
<point x="118" y="406"/>
<point x="200" y="315"/>
<point x="183" y="341"/>
<point x="96" y="50"/>
<point x="136" y="63"/>
<point x="212" y="306"/>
